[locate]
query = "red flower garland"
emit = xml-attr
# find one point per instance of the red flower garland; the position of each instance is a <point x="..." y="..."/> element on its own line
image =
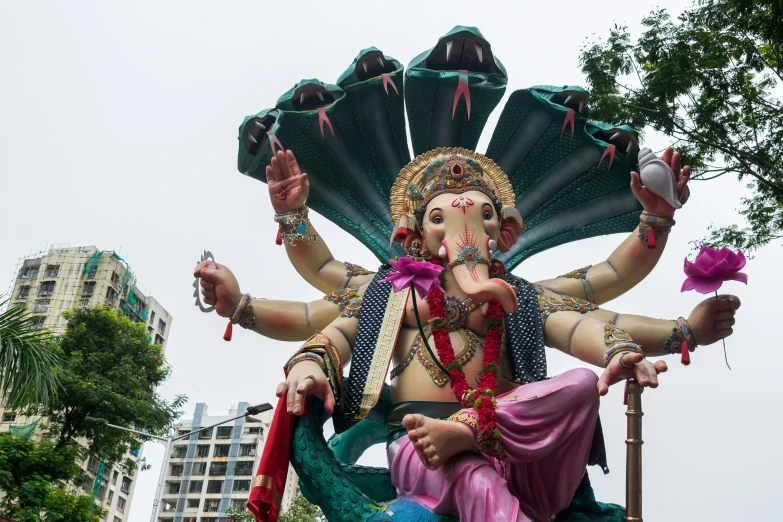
<point x="484" y="401"/>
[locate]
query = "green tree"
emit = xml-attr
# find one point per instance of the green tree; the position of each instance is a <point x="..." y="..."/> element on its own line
<point x="239" y="515"/>
<point x="302" y="511"/>
<point x="109" y="371"/>
<point x="29" y="369"/>
<point x="29" y="473"/>
<point x="706" y="79"/>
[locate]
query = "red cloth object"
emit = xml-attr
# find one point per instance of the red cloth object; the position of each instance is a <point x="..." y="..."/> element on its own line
<point x="269" y="484"/>
<point x="229" y="332"/>
<point x="650" y="238"/>
<point x="685" y="354"/>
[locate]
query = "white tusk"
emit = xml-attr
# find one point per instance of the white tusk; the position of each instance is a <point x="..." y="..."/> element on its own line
<point x="492" y="245"/>
<point x="252" y="138"/>
<point x="365" y="67"/>
<point x="320" y="96"/>
<point x="480" y="53"/>
<point x="630" y="148"/>
<point x="582" y="105"/>
<point x="258" y="123"/>
<point x="380" y="61"/>
<point x="448" y="50"/>
<point x="615" y="135"/>
<point x="567" y="100"/>
<point x="442" y="251"/>
<point x="301" y="99"/>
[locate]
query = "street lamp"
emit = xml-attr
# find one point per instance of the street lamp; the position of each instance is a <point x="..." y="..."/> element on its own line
<point x="251" y="410"/>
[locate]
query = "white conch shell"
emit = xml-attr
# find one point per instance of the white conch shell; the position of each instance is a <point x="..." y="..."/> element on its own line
<point x="658" y="177"/>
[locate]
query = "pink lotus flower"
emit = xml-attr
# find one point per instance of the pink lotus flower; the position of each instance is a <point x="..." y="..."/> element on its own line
<point x="423" y="275"/>
<point x="711" y="268"/>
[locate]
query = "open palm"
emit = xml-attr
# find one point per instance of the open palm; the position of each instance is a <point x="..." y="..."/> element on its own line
<point x="288" y="185"/>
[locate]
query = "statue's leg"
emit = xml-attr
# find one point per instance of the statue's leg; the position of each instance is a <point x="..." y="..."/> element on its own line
<point x="467" y="486"/>
<point x="546" y="434"/>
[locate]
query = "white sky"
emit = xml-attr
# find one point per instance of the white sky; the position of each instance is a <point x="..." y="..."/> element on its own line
<point x="118" y="127"/>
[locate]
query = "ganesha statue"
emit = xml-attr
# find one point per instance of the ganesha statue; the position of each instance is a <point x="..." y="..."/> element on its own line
<point x="475" y="428"/>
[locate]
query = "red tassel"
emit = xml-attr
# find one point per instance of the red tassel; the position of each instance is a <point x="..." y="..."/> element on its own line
<point x="279" y="238"/>
<point x="625" y="396"/>
<point x="686" y="356"/>
<point x="229" y="332"/>
<point x="650" y="238"/>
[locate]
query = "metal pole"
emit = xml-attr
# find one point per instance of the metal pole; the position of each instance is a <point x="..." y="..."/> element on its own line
<point x="161" y="478"/>
<point x="633" y="455"/>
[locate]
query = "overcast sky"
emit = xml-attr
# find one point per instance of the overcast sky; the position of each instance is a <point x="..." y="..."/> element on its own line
<point x="118" y="126"/>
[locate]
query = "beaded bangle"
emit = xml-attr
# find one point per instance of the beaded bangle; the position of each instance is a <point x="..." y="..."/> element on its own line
<point x="681" y="333"/>
<point x="652" y="226"/>
<point x="244" y="301"/>
<point x="306" y="356"/>
<point x="293" y="226"/>
<point x="656" y="220"/>
<point x="248" y="318"/>
<point x="621" y="348"/>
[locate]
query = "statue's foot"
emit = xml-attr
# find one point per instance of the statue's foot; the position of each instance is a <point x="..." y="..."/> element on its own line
<point x="436" y="441"/>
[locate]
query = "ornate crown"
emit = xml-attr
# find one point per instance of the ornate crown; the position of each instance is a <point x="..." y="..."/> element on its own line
<point x="448" y="170"/>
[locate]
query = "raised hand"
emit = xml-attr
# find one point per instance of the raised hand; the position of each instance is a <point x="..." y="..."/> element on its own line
<point x="713" y="319"/>
<point x="653" y="203"/>
<point x="219" y="287"/>
<point x="288" y="185"/>
<point x="305" y="378"/>
<point x="630" y="365"/>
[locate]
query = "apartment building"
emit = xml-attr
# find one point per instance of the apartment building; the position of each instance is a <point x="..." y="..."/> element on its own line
<point x="212" y="470"/>
<point x="60" y="278"/>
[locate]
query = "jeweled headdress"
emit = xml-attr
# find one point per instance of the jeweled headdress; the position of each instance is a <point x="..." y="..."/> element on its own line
<point x="448" y="170"/>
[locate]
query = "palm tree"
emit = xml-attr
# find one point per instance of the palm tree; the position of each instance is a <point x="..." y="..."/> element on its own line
<point x="29" y="368"/>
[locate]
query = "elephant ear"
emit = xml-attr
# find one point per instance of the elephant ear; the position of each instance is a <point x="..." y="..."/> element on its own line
<point x="570" y="175"/>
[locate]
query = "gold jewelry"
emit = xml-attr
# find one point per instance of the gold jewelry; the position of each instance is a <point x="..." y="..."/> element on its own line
<point x="623" y="363"/>
<point x="470" y="343"/>
<point x="315" y="381"/>
<point x="618" y="342"/>
<point x="350" y="271"/>
<point x="293" y="226"/>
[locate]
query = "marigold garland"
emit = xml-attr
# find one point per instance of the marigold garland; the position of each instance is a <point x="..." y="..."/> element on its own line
<point x="488" y="435"/>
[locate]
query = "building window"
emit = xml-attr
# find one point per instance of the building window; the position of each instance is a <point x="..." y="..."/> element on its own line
<point x="91" y="275"/>
<point x="38" y="322"/>
<point x="221" y="450"/>
<point x="177" y="469"/>
<point x="211" y="504"/>
<point x="196" y="486"/>
<point x="215" y="486"/>
<point x="247" y="450"/>
<point x="238" y="503"/>
<point x="115" y="477"/>
<point x="88" y="289"/>
<point x="115" y="279"/>
<point x="224" y="432"/>
<point x="199" y="468"/>
<point x="202" y="450"/>
<point x="83" y="303"/>
<point x="161" y="326"/>
<point x="244" y="467"/>
<point x="218" y="469"/>
<point x="180" y="452"/>
<point x="152" y="318"/>
<point x="252" y="430"/>
<point x="174" y="487"/>
<point x="111" y="496"/>
<point x="30" y="272"/>
<point x="121" y="503"/>
<point x="52" y="270"/>
<point x="209" y="519"/>
<point x="41" y="306"/>
<point x="182" y="432"/>
<point x="117" y="519"/>
<point x="241" y="485"/>
<point x="46" y="288"/>
<point x="24" y="291"/>
<point x="111" y="295"/>
<point x="9" y="416"/>
<point x="126" y="484"/>
<point x="206" y="434"/>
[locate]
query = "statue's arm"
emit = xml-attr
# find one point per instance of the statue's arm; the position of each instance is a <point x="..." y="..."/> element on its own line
<point x="292" y="320"/>
<point x="632" y="261"/>
<point x="306" y="249"/>
<point x="316" y="369"/>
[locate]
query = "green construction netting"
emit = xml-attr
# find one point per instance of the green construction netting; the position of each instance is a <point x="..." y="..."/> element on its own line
<point x="24" y="431"/>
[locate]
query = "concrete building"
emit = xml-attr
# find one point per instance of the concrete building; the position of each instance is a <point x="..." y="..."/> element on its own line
<point x="214" y="469"/>
<point x="61" y="278"/>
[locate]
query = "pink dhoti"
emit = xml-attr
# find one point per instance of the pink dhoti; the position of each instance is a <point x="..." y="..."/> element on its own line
<point x="547" y="429"/>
